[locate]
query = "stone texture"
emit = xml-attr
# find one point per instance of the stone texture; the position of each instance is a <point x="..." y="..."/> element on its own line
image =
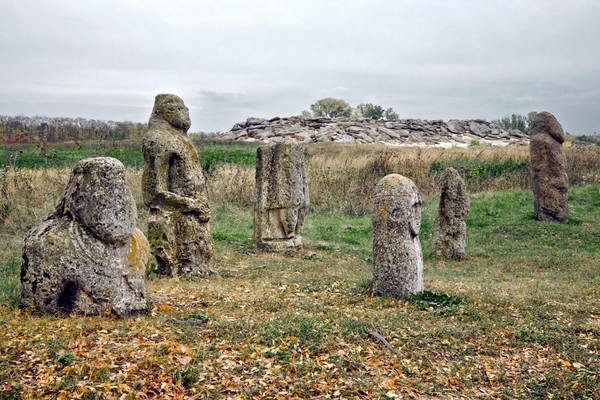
<point x="175" y="191"/>
<point x="397" y="254"/>
<point x="86" y="256"/>
<point x="549" y="169"/>
<point x="451" y="229"/>
<point x="281" y="197"/>
<point x="404" y="132"/>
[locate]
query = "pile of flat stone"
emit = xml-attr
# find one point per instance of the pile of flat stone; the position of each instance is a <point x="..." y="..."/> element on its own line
<point x="404" y="132"/>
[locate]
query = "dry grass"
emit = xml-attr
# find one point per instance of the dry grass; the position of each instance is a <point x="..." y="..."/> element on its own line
<point x="342" y="177"/>
<point x="298" y="326"/>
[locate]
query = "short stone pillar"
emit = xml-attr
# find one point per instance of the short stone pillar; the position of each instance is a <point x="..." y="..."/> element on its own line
<point x="174" y="189"/>
<point x="87" y="256"/>
<point x="281" y="197"/>
<point x="451" y="229"/>
<point x="549" y="169"/>
<point x="397" y="254"/>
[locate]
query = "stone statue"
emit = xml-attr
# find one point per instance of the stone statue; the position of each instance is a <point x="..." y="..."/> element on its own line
<point x="451" y="229"/>
<point x="397" y="254"/>
<point x="281" y="197"/>
<point x="549" y="169"/>
<point x="87" y="256"/>
<point x="175" y="191"/>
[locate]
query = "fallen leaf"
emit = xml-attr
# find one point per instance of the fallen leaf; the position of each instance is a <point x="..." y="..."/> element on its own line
<point x="184" y="360"/>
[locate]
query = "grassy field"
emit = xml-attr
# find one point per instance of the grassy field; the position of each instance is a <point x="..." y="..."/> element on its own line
<point x="519" y="318"/>
<point x="129" y="152"/>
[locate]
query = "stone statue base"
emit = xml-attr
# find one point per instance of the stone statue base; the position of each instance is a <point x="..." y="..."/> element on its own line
<point x="280" y="245"/>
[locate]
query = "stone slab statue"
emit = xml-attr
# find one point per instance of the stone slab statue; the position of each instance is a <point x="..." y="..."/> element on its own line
<point x="87" y="256"/>
<point x="281" y="197"/>
<point x="549" y="169"/>
<point x="397" y="254"/>
<point x="174" y="189"/>
<point x="450" y="236"/>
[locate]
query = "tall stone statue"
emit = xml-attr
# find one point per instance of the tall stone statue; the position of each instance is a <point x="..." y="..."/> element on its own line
<point x="87" y="256"/>
<point x="175" y="191"/>
<point x="451" y="229"/>
<point x="549" y="169"/>
<point x="397" y="254"/>
<point x="281" y="197"/>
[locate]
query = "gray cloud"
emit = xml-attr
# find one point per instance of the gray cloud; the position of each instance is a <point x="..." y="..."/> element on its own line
<point x="233" y="59"/>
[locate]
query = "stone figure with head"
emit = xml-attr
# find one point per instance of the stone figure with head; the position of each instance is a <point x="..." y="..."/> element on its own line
<point x="397" y="254"/>
<point x="87" y="256"/>
<point x="282" y="198"/>
<point x="549" y="169"/>
<point x="175" y="191"/>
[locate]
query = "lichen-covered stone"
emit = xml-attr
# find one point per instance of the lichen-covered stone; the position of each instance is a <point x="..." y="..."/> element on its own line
<point x="86" y="256"/>
<point x="281" y="197"/>
<point x="549" y="169"/>
<point x="175" y="191"/>
<point x="397" y="254"/>
<point x="451" y="229"/>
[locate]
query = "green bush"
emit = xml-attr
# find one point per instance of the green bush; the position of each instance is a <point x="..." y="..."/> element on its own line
<point x="474" y="170"/>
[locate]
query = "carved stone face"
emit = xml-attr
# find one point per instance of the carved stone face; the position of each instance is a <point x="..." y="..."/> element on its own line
<point x="548" y="124"/>
<point x="171" y="109"/>
<point x="398" y="205"/>
<point x="98" y="197"/>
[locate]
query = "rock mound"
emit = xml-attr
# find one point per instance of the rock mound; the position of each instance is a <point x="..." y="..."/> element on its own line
<point x="404" y="132"/>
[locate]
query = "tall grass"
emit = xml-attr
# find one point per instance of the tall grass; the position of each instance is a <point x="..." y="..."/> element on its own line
<point x="342" y="177"/>
<point x="527" y="325"/>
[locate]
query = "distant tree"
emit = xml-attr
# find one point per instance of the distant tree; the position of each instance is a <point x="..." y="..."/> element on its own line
<point x="531" y="116"/>
<point x="305" y="114"/>
<point x="330" y="107"/>
<point x="370" y="111"/>
<point x="391" y="115"/>
<point x="518" y="122"/>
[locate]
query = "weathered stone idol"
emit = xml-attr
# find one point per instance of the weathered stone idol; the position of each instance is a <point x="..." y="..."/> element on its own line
<point x="175" y="191"/>
<point x="549" y="169"/>
<point x="397" y="254"/>
<point x="87" y="256"/>
<point x="281" y="197"/>
<point x="451" y="229"/>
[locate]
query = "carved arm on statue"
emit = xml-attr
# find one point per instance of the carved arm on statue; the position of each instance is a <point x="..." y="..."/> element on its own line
<point x="174" y="202"/>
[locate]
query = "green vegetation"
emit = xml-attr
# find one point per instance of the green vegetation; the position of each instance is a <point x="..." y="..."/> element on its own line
<point x="330" y="107"/>
<point x="476" y="170"/>
<point x="43" y="130"/>
<point x="374" y="111"/>
<point x="518" y="318"/>
<point x="128" y="152"/>
<point x="334" y="108"/>
<point x="519" y="122"/>
<point x="213" y="154"/>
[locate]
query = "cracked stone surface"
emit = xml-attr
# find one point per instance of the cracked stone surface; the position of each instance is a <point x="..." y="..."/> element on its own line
<point x="450" y="236"/>
<point x="397" y="254"/>
<point x="281" y="197"/>
<point x="549" y="169"/>
<point x="174" y="189"/>
<point x="87" y="256"/>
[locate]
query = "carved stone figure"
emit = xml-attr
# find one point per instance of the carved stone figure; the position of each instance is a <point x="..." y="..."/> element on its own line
<point x="87" y="256"/>
<point x="451" y="229"/>
<point x="397" y="254"/>
<point x="281" y="197"/>
<point x="549" y="169"/>
<point x="175" y="191"/>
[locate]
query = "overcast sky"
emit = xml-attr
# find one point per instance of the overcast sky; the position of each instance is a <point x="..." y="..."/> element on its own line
<point x="229" y="60"/>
